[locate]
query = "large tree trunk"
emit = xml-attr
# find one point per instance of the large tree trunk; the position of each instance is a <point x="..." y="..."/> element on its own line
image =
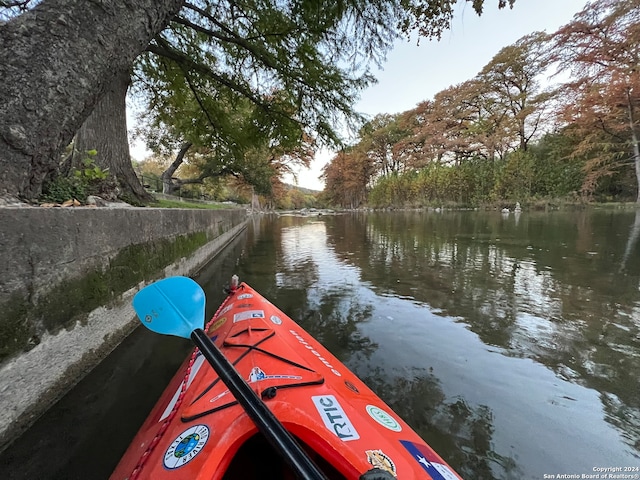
<point x="56" y="61"/>
<point x="105" y="131"/>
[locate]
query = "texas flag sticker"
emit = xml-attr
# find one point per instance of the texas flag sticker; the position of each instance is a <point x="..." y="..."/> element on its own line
<point x="431" y="463"/>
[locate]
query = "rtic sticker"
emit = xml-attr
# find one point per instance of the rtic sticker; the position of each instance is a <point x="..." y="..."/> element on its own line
<point x="276" y="320"/>
<point x="186" y="446"/>
<point x="383" y="418"/>
<point x="335" y="418"/>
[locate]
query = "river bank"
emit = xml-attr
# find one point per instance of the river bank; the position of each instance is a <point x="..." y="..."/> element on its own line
<point x="67" y="276"/>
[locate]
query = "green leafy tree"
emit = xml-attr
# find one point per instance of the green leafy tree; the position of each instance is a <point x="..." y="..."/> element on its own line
<point x="515" y="177"/>
<point x="558" y="172"/>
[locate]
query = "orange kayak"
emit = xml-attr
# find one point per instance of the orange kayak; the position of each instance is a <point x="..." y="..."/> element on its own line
<point x="198" y="430"/>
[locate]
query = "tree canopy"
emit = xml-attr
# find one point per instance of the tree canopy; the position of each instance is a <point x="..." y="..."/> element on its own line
<point x="299" y="61"/>
<point x="510" y="133"/>
<point x="601" y="49"/>
<point x="235" y="76"/>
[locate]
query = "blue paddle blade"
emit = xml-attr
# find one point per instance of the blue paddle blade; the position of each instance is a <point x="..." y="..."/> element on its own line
<point x="173" y="306"/>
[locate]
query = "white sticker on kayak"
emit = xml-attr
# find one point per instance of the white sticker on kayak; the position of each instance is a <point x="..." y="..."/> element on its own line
<point x="217" y="397"/>
<point x="276" y="320"/>
<point x="186" y="446"/>
<point x="383" y="418"/>
<point x="245" y="295"/>
<point x="249" y="314"/>
<point x="257" y="375"/>
<point x="335" y="418"/>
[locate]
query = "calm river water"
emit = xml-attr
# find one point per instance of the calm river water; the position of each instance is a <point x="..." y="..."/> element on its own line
<point x="511" y="343"/>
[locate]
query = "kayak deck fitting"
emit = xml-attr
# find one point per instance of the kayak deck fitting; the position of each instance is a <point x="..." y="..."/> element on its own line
<point x="202" y="429"/>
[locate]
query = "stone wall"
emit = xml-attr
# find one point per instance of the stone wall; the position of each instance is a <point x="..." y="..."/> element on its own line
<point x="67" y="277"/>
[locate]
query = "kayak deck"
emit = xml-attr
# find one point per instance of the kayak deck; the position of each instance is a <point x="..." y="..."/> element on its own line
<point x="197" y="430"/>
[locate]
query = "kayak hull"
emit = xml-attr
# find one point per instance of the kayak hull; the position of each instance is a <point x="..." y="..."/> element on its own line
<point x="197" y="430"/>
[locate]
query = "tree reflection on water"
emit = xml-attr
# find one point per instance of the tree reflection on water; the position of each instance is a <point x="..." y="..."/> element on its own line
<point x="548" y="287"/>
<point x="455" y="427"/>
<point x="540" y="289"/>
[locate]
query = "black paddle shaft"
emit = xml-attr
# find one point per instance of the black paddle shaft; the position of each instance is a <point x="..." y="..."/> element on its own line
<point x="264" y="418"/>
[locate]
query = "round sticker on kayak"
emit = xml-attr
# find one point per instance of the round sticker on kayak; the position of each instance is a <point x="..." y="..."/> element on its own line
<point x="186" y="446"/>
<point x="275" y="319"/>
<point x="383" y="418"/>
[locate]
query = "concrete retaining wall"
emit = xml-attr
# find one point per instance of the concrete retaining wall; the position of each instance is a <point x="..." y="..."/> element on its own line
<point x="67" y="277"/>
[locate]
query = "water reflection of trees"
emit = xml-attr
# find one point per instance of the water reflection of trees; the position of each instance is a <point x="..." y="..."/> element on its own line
<point x="548" y="287"/>
<point x="334" y="323"/>
<point x="632" y="241"/>
<point x="463" y="431"/>
<point x="282" y="266"/>
<point x="333" y="314"/>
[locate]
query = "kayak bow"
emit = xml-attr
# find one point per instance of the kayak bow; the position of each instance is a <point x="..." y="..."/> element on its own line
<point x="269" y="402"/>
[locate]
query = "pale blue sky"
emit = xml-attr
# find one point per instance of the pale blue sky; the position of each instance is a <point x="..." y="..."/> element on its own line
<point x="413" y="73"/>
